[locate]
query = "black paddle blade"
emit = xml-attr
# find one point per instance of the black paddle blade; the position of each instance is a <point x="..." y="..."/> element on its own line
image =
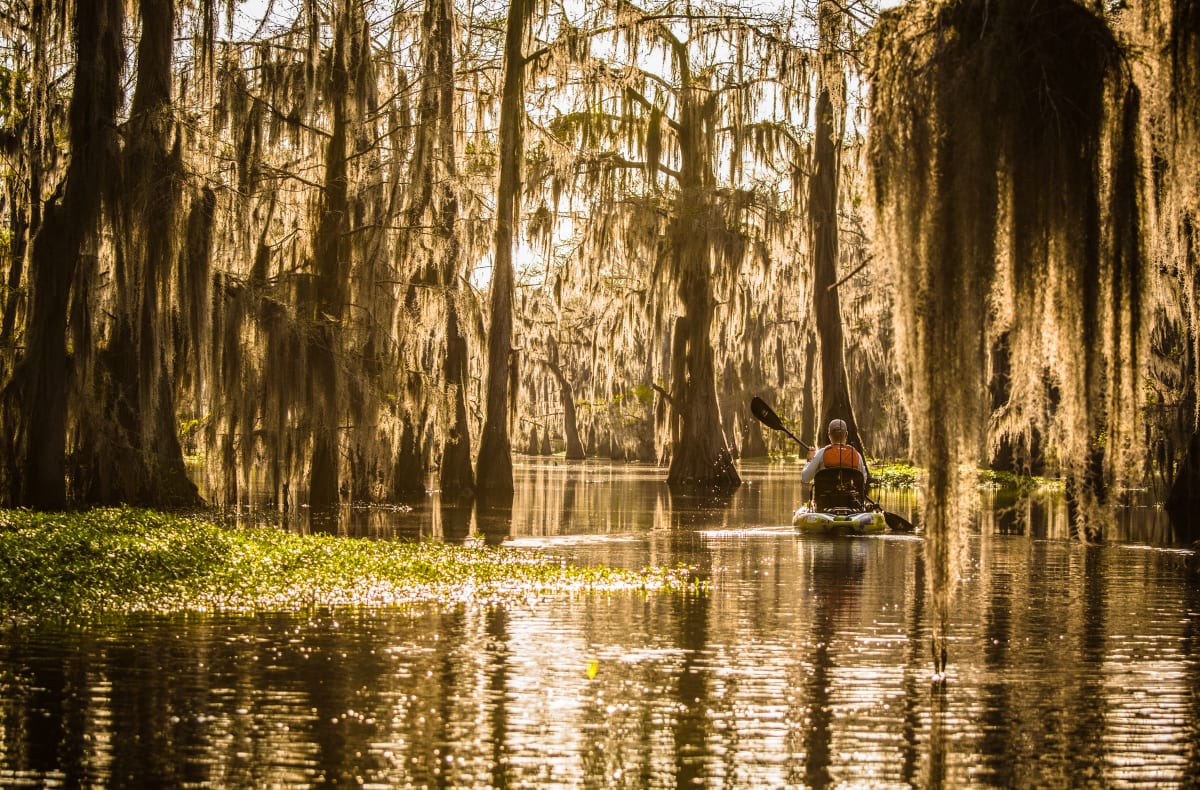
<point x="765" y="414"/>
<point x="897" y="523"/>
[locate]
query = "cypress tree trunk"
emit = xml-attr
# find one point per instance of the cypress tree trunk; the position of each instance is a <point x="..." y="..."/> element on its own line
<point x="133" y="454"/>
<point x="570" y="419"/>
<point x="157" y="203"/>
<point x="25" y="195"/>
<point x="1179" y="222"/>
<point x="408" y="472"/>
<point x="494" y="477"/>
<point x="752" y="439"/>
<point x="700" y="457"/>
<point x="811" y="390"/>
<point x="328" y="298"/>
<point x="574" y="449"/>
<point x="437" y="146"/>
<point x="20" y="219"/>
<point x="746" y="378"/>
<point x="1183" y="502"/>
<point x="824" y="233"/>
<point x="823" y="227"/>
<point x="456" y="475"/>
<point x="36" y="399"/>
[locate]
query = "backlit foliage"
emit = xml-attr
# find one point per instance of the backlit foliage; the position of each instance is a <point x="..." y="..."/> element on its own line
<point x="281" y="256"/>
<point x="1012" y="211"/>
<point x="327" y="236"/>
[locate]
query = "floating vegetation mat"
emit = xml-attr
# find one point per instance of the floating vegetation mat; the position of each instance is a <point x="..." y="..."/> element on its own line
<point x="129" y="560"/>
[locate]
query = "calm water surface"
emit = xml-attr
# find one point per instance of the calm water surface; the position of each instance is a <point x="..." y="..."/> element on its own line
<point x="804" y="665"/>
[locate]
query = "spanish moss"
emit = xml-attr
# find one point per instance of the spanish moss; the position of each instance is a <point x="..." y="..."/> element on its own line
<point x="1004" y="166"/>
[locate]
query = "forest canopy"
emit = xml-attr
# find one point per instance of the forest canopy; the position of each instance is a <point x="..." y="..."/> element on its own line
<point x="329" y="251"/>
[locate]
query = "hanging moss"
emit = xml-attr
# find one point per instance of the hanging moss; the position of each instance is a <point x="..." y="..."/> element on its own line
<point x="1167" y="34"/>
<point x="1003" y="162"/>
<point x="127" y="448"/>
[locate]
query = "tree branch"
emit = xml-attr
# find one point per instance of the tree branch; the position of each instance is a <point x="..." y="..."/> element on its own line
<point x="857" y="269"/>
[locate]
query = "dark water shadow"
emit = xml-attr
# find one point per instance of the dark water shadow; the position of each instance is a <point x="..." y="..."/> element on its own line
<point x="493" y="523"/>
<point x="326" y="522"/>
<point x="454" y="521"/>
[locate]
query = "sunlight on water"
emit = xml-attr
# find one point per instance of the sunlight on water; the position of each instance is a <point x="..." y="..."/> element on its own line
<point x="805" y="663"/>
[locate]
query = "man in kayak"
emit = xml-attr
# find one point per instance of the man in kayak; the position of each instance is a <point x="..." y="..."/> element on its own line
<point x="838" y="454"/>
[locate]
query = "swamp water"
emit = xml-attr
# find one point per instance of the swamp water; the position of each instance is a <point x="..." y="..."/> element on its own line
<point x="805" y="663"/>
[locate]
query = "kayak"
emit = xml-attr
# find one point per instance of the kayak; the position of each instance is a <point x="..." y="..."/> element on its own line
<point x="839" y="522"/>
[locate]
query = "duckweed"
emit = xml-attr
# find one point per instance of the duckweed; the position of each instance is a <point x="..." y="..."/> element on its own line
<point x="132" y="560"/>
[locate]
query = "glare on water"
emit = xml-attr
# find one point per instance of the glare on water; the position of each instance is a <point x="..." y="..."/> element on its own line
<point x="803" y="663"/>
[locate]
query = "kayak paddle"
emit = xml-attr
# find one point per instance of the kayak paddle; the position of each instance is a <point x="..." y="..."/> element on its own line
<point x="767" y="416"/>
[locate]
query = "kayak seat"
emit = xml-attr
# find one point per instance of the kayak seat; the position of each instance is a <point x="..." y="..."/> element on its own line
<point x="839" y="489"/>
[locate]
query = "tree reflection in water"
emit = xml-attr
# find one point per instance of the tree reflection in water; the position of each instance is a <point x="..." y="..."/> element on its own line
<point x="804" y="662"/>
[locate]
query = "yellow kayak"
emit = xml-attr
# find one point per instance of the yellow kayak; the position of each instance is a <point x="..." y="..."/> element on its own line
<point x="865" y="523"/>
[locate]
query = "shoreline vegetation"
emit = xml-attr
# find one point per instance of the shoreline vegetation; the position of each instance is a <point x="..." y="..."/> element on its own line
<point x="129" y="560"/>
<point x="902" y="475"/>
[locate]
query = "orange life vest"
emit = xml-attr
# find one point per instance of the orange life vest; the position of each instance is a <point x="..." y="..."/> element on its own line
<point x="841" y="456"/>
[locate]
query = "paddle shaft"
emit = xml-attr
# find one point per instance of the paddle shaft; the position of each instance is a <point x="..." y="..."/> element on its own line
<point x="799" y="441"/>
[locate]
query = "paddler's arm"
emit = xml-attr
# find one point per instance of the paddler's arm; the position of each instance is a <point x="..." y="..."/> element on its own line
<point x="816" y="460"/>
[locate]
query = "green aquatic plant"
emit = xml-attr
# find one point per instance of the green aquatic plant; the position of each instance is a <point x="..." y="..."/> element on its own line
<point x="131" y="560"/>
<point x="893" y="475"/>
<point x="998" y="480"/>
<point x="900" y="475"/>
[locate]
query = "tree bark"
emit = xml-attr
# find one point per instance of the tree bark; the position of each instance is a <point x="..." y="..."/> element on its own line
<point x="811" y="390"/>
<point x="1183" y="502"/>
<point x="700" y="457"/>
<point x="566" y="395"/>
<point x="36" y="399"/>
<point x="408" y="469"/>
<point x="133" y="454"/>
<point x="328" y="300"/>
<point x="494" y="477"/>
<point x="823" y="227"/>
<point x="25" y="196"/>
<point x="824" y="232"/>
<point x="574" y="447"/>
<point x="455" y="473"/>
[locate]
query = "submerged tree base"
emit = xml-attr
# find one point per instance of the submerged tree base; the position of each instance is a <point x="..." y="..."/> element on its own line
<point x="691" y="474"/>
<point x="128" y="560"/>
